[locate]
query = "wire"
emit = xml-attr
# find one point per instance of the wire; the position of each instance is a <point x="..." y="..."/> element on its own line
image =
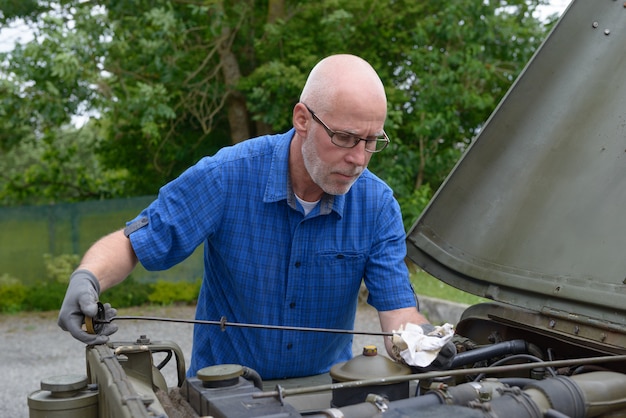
<point x="517" y="357"/>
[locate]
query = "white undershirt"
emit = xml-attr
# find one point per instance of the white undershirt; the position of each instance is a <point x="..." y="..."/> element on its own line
<point x="307" y="206"/>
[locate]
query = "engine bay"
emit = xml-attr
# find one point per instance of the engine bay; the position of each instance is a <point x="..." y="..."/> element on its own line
<point x="510" y="362"/>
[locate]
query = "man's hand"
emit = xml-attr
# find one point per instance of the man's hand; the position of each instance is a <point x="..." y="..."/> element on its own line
<point x="424" y="347"/>
<point x="81" y="299"/>
<point x="444" y="359"/>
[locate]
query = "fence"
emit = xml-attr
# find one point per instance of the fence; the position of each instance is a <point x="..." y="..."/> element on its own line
<point x="29" y="232"/>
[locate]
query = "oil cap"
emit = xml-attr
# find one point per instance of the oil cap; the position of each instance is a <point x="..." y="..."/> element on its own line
<point x="64" y="386"/>
<point x="63" y="397"/>
<point x="370" y="350"/>
<point x="219" y="376"/>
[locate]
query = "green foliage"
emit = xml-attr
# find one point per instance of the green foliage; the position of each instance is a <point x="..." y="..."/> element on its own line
<point x="272" y="88"/>
<point x="128" y="293"/>
<point x="462" y="58"/>
<point x="173" y="81"/>
<point x="60" y="268"/>
<point x="161" y="81"/>
<point x="166" y="293"/>
<point x="48" y="294"/>
<point x="45" y="296"/>
<point x="12" y="294"/>
<point x="62" y="168"/>
<point x="413" y="204"/>
<point x="427" y="285"/>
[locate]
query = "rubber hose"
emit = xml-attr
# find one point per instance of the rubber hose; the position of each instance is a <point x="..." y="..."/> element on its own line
<point x="562" y="393"/>
<point x="484" y="353"/>
<point x="253" y="376"/>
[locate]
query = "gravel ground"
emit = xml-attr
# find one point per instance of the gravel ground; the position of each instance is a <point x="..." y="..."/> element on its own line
<point x="33" y="347"/>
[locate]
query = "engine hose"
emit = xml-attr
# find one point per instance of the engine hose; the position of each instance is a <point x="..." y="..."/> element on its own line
<point x="484" y="353"/>
<point x="253" y="376"/>
<point x="417" y="403"/>
<point x="560" y="393"/>
<point x="604" y="392"/>
<point x="438" y="411"/>
<point x="514" y="403"/>
<point x="591" y="394"/>
<point x="551" y="413"/>
<point x="454" y="395"/>
<point x="587" y="395"/>
<point x="459" y="395"/>
<point x="515" y="357"/>
<point x="520" y="382"/>
<point x="395" y="408"/>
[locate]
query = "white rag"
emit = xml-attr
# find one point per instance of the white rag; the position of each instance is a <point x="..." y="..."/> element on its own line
<point x="419" y="349"/>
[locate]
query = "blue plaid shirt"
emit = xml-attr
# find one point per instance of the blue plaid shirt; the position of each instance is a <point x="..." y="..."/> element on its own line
<point x="267" y="263"/>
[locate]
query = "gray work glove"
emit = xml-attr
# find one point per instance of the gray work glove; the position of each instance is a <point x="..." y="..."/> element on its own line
<point x="81" y="299"/>
<point x="444" y="359"/>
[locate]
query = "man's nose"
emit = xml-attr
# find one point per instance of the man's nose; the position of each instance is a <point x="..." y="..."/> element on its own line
<point x="357" y="155"/>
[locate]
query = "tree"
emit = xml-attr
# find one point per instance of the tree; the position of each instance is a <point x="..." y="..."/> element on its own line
<point x="43" y="84"/>
<point x="62" y="168"/>
<point x="178" y="79"/>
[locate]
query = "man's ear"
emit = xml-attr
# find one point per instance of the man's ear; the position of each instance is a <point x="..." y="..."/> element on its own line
<point x="301" y="119"/>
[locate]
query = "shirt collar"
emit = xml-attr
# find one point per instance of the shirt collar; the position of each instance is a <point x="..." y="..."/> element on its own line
<point x="279" y="182"/>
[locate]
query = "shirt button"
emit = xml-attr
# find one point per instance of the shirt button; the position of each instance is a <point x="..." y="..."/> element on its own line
<point x="298" y="264"/>
<point x="289" y="346"/>
<point x="292" y="305"/>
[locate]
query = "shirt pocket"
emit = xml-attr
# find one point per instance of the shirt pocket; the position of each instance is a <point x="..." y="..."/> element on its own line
<point x="340" y="273"/>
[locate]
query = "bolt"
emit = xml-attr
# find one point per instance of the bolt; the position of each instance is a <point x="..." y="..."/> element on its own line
<point x="576" y="330"/>
<point x="607" y="32"/>
<point x="552" y="323"/>
<point x="143" y="340"/>
<point x="595" y="25"/>
<point x="484" y="394"/>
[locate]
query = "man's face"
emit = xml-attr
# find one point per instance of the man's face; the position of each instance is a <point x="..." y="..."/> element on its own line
<point x="332" y="168"/>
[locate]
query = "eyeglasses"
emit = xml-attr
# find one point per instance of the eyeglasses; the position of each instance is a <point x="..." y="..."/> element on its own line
<point x="347" y="140"/>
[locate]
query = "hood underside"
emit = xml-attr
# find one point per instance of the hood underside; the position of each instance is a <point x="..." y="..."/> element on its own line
<point x="534" y="214"/>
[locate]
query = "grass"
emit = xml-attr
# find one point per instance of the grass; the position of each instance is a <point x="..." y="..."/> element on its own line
<point x="427" y="285"/>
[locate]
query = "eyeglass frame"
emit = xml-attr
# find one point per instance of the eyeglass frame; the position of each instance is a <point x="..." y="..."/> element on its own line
<point x="331" y="133"/>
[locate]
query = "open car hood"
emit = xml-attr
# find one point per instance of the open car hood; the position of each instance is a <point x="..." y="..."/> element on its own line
<point x="534" y="213"/>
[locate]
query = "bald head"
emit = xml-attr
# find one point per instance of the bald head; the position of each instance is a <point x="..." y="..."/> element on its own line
<point x="339" y="79"/>
<point x="343" y="96"/>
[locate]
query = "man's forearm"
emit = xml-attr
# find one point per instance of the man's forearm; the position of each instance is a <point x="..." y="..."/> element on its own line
<point x="111" y="259"/>
<point x="394" y="320"/>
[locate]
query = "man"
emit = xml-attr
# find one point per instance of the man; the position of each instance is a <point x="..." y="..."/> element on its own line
<point x="290" y="223"/>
